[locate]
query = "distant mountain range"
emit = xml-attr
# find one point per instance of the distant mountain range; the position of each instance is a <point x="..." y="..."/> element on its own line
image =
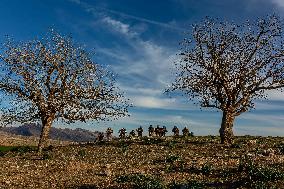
<point x="75" y="135"/>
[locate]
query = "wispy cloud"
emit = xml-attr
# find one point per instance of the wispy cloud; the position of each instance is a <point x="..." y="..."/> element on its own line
<point x="144" y="67"/>
<point x="119" y="26"/>
<point x="279" y="3"/>
<point x="97" y="9"/>
<point x="153" y="102"/>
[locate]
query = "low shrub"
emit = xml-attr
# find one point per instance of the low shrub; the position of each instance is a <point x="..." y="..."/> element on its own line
<point x="172" y="144"/>
<point x="16" y="149"/>
<point x="237" y="145"/>
<point x="49" y="148"/>
<point x="124" y="146"/>
<point x="23" y="149"/>
<point x="172" y="158"/>
<point x="175" y="163"/>
<point x="46" y="156"/>
<point x="5" y="149"/>
<point x="206" y="169"/>
<point x="81" y="153"/>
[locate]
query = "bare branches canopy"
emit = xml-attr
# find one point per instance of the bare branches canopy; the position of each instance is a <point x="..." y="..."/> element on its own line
<point x="53" y="79"/>
<point x="227" y="66"/>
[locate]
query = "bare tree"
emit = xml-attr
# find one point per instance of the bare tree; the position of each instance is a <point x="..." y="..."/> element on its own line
<point x="53" y="79"/>
<point x="226" y="66"/>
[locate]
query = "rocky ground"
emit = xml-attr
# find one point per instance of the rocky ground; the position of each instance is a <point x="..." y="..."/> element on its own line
<point x="194" y="162"/>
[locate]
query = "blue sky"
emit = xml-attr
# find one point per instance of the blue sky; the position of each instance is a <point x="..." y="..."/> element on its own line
<point x="139" y="40"/>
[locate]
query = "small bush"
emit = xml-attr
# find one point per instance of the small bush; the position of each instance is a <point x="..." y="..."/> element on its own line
<point x="172" y="144"/>
<point x="124" y="146"/>
<point x="49" y="148"/>
<point x="206" y="169"/>
<point x="46" y="156"/>
<point x="226" y="173"/>
<point x="244" y="162"/>
<point x="236" y="145"/>
<point x="175" y="163"/>
<point x="23" y="149"/>
<point x="6" y="148"/>
<point x="172" y="158"/>
<point x="82" y="153"/>
<point x="2" y="153"/>
<point x="140" y="181"/>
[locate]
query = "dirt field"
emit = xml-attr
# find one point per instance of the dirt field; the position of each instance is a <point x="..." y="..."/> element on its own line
<point x="194" y="162"/>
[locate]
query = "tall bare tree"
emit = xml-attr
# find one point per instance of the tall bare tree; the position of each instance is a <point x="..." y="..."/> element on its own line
<point x="226" y="66"/>
<point x="53" y="79"/>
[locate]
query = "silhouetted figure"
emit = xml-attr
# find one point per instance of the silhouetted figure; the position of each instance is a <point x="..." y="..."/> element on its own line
<point x="140" y="131"/>
<point x="157" y="131"/>
<point x="160" y="131"/>
<point x="122" y="133"/>
<point x="132" y="133"/>
<point x="164" y="131"/>
<point x="175" y="131"/>
<point x="109" y="132"/>
<point x="151" y="130"/>
<point x="101" y="136"/>
<point x="185" y="132"/>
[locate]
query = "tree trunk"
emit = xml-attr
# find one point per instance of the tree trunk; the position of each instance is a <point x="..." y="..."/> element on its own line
<point x="226" y="130"/>
<point x="46" y="125"/>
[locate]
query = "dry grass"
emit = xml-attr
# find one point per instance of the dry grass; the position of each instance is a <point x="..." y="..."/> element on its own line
<point x="195" y="162"/>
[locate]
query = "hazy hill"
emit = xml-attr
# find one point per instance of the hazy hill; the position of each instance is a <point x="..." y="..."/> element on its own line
<point x="76" y="135"/>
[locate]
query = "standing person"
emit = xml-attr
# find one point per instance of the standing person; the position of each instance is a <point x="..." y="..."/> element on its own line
<point x="132" y="134"/>
<point x="109" y="132"/>
<point x="101" y="136"/>
<point x="164" y="131"/>
<point x="157" y="130"/>
<point x="175" y="131"/>
<point x="151" y="130"/>
<point x="140" y="131"/>
<point x="122" y="133"/>
<point x="185" y="132"/>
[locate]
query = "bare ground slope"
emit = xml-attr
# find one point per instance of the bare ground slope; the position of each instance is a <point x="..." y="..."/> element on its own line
<point x="199" y="162"/>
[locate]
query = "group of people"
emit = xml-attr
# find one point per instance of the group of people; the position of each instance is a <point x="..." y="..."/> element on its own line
<point x="122" y="132"/>
<point x="157" y="131"/>
<point x="161" y="131"/>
